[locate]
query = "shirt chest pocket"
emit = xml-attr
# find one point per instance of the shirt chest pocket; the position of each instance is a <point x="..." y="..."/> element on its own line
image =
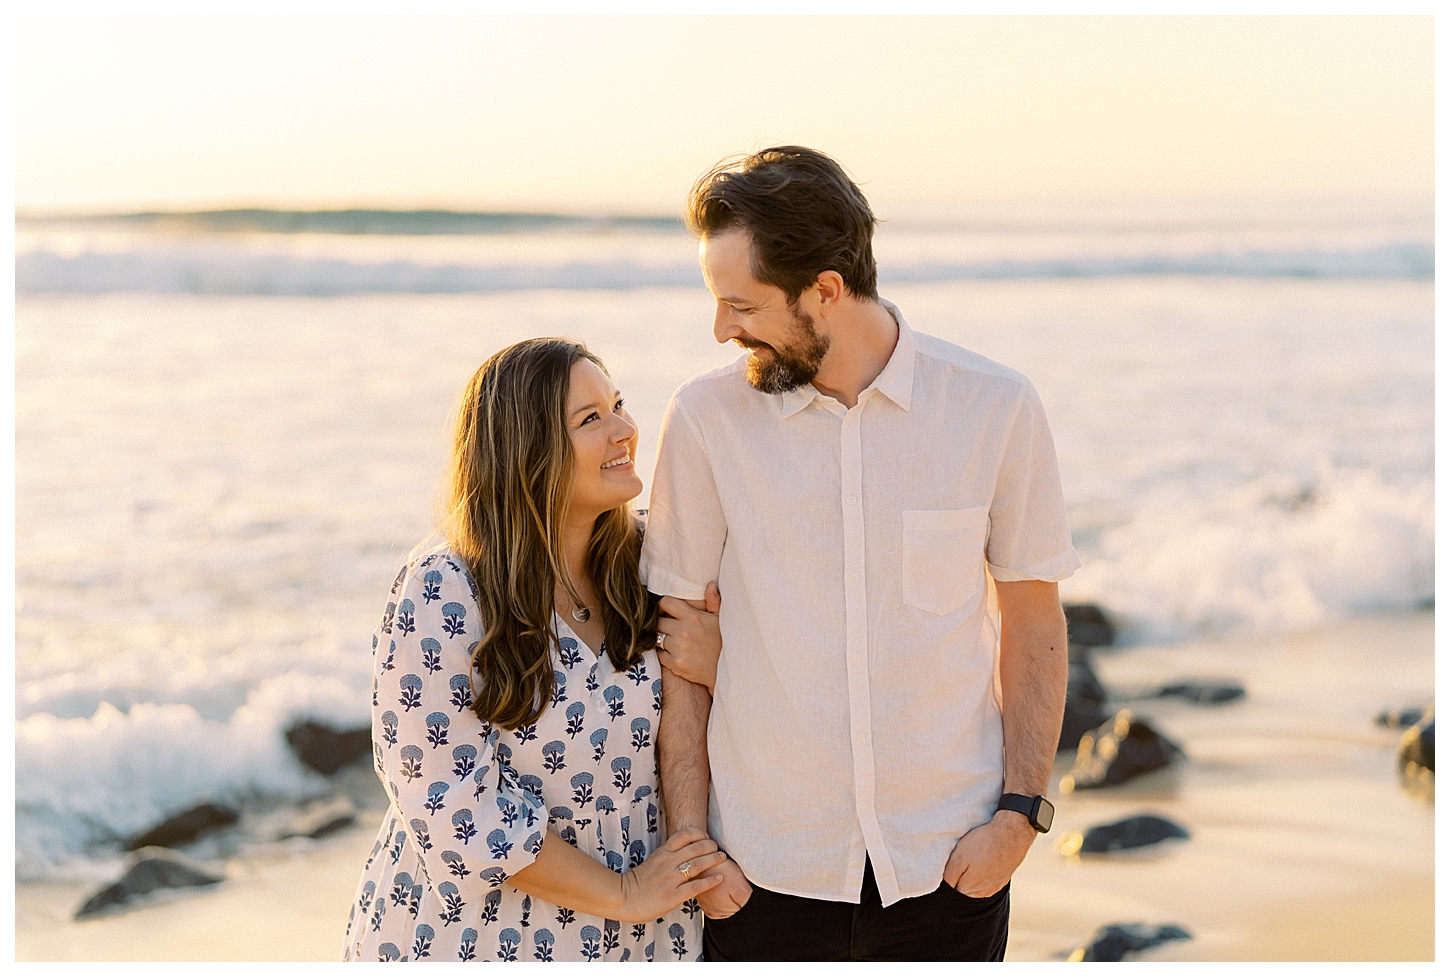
<point x="941" y="556"/>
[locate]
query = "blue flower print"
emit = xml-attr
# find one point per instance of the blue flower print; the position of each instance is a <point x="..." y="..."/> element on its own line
<point x="561" y="688"/>
<point x="604" y="803"/>
<point x="431" y="581"/>
<point x="452" y="903"/>
<point x="468" y="943"/>
<point x="399" y="840"/>
<point x="390" y="728"/>
<point x="564" y="917"/>
<point x="638" y="672"/>
<point x="387" y="953"/>
<point x="453" y="619"/>
<point x="490" y="906"/>
<point x="499" y="845"/>
<point x="411" y="687"/>
<point x="591" y="682"/>
<point x="508" y="944"/>
<point x="404" y="621"/>
<point x="534" y="843"/>
<point x="432" y="654"/>
<point x="379" y="908"/>
<point x="415" y="898"/>
<point x="375" y="691"/>
<point x="508" y="813"/>
<point x="611" y="935"/>
<point x="597" y="738"/>
<point x="677" y="940"/>
<point x="463" y="827"/>
<point x="636" y="932"/>
<point x="402" y="887"/>
<point x="525" y="733"/>
<point x="691" y="908"/>
<point x="463" y="760"/>
<point x="495" y="877"/>
<point x="524" y="911"/>
<point x="462" y="694"/>
<point x="614" y="695"/>
<point x="455" y="863"/>
<point x="437" y="723"/>
<point x="589" y="942"/>
<point x="422" y="941"/>
<point x="411" y="762"/>
<point x="624" y="829"/>
<point x="637" y="854"/>
<point x="420" y="831"/>
<point x="388" y="663"/>
<point x="532" y="786"/>
<point x="478" y="785"/>
<point x="620" y="765"/>
<point x="569" y="652"/>
<point x="657" y="687"/>
<point x="398" y="581"/>
<point x="615" y="861"/>
<point x="436" y="790"/>
<point x="387" y="626"/>
<point x="574" y="719"/>
<point x="366" y="899"/>
<point x="543" y="946"/>
<point x="649" y="952"/>
<point x="639" y="730"/>
<point x="583" y="784"/>
<point x="554" y="756"/>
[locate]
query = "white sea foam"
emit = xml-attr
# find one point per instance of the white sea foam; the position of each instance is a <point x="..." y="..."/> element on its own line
<point x="84" y="784"/>
<point x="1272" y="555"/>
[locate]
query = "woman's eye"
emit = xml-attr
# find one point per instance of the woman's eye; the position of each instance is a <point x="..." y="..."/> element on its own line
<point x="619" y="406"/>
<point x="594" y="416"/>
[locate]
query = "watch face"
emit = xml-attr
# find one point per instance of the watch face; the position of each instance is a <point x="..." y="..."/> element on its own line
<point x="1042" y="817"/>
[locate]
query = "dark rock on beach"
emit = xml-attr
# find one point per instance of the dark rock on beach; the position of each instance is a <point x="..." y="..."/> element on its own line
<point x="1113" y="943"/>
<point x="1135" y="832"/>
<point x="1084" y="709"/>
<point x="1117" y="751"/>
<point x="151" y="869"/>
<point x="328" y="750"/>
<point x="1417" y="747"/>
<point x="1087" y="625"/>
<point x="184" y="827"/>
<point x="320" y="819"/>
<point x="1203" y="693"/>
<point x="1400" y="718"/>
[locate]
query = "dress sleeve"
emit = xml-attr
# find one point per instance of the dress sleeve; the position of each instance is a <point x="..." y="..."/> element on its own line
<point x="1028" y="538"/>
<point x="685" y="533"/>
<point x="462" y="805"/>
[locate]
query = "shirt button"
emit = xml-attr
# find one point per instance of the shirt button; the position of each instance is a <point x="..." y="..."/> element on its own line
<point x="855" y="658"/>
<point x="850" y="500"/>
<point x="860" y="736"/>
<point x="855" y="577"/>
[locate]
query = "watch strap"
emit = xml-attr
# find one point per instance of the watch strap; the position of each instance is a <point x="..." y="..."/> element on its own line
<point x="1025" y="805"/>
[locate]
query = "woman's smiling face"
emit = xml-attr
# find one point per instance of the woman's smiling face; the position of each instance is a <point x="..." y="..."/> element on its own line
<point x="603" y="437"/>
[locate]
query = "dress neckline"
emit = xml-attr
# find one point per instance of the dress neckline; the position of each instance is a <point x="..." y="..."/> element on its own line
<point x="560" y="623"/>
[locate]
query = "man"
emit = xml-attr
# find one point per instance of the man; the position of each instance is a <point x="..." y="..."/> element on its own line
<point x="851" y="485"/>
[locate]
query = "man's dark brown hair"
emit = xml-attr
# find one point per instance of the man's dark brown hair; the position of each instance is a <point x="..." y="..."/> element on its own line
<point x="803" y="214"/>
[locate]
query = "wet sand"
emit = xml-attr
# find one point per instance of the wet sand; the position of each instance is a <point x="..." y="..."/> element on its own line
<point x="1304" y="844"/>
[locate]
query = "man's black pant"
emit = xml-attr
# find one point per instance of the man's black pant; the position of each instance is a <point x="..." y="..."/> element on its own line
<point x="941" y="925"/>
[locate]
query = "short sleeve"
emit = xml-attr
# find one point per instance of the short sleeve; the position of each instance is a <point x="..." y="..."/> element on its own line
<point x="462" y="806"/>
<point x="685" y="533"/>
<point x="1028" y="536"/>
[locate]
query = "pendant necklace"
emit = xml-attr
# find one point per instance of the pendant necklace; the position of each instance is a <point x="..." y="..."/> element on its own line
<point x="580" y="613"/>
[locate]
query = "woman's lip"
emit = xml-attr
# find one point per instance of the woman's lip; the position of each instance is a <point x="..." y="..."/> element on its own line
<point x="625" y="463"/>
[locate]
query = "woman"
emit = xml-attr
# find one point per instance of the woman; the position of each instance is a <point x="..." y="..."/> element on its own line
<point x="516" y="697"/>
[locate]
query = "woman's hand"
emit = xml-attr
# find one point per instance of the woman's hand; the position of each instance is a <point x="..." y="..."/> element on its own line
<point x="691" y="644"/>
<point x="673" y="874"/>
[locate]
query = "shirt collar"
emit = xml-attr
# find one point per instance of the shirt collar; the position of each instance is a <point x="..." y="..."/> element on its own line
<point x="894" y="380"/>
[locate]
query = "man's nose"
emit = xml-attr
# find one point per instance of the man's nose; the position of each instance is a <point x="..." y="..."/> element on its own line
<point x="725" y="327"/>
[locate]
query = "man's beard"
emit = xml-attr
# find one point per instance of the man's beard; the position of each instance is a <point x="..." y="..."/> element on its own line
<point x="790" y="366"/>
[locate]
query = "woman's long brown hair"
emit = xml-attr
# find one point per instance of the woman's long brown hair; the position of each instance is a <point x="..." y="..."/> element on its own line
<point x="506" y="496"/>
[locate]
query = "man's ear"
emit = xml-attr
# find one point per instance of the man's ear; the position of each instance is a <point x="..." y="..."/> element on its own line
<point x="830" y="289"/>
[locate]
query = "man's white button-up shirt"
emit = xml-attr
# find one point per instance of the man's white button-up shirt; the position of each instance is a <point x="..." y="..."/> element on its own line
<point x="856" y="704"/>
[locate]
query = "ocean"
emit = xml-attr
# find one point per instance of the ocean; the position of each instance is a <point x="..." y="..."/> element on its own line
<point x="230" y="429"/>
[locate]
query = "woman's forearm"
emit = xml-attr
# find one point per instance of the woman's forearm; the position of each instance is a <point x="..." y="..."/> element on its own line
<point x="565" y="876"/>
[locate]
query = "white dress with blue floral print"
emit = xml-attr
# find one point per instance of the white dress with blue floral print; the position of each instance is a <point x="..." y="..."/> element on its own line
<point x="471" y="802"/>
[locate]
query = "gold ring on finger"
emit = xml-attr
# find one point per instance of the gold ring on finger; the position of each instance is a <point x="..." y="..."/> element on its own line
<point x="659" y="639"/>
<point x="685" y="869"/>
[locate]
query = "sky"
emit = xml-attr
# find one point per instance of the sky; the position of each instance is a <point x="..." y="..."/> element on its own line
<point x="620" y="114"/>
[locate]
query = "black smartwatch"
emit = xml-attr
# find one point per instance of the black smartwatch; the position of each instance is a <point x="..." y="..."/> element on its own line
<point x="1037" y="809"/>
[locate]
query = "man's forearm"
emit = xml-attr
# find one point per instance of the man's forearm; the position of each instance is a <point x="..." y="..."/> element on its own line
<point x="684" y="760"/>
<point x="1034" y="682"/>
